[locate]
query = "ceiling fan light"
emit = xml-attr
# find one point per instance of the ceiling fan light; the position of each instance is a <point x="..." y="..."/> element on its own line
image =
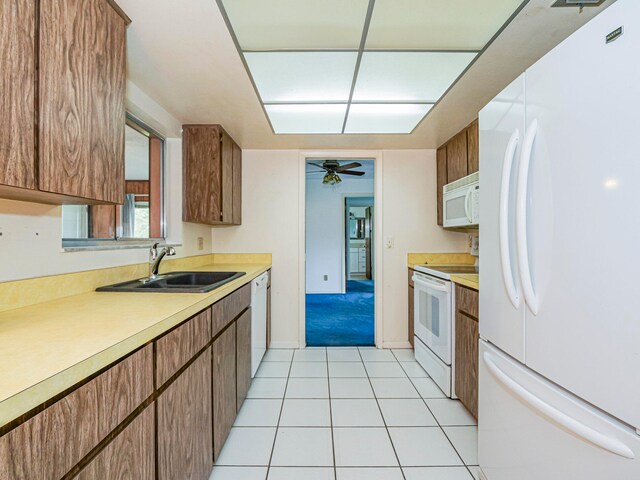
<point x="331" y="178"/>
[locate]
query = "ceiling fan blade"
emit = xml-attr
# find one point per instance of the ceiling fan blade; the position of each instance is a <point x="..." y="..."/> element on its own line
<point x="342" y="168"/>
<point x="349" y="172"/>
<point x="317" y="171"/>
<point x="318" y="165"/>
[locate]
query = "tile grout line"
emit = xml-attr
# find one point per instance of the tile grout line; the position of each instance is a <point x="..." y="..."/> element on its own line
<point x="439" y="425"/>
<point x="384" y="421"/>
<point x="284" y="395"/>
<point x="333" y="441"/>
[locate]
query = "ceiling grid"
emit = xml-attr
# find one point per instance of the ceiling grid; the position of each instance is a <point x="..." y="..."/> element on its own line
<point x="357" y="67"/>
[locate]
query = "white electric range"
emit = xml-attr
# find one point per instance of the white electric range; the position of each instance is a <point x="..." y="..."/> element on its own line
<point x="434" y="326"/>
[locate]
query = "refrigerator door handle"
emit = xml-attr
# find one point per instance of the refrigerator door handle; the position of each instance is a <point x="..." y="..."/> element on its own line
<point x="505" y="251"/>
<point x="578" y="428"/>
<point x="521" y="218"/>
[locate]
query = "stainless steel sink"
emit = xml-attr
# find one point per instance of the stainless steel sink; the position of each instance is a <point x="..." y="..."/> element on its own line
<point x="176" y="282"/>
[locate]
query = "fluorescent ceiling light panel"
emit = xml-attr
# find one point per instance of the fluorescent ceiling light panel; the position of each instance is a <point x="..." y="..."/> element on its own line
<point x="408" y="76"/>
<point x="297" y="24"/>
<point x="307" y="119"/>
<point x="437" y="24"/>
<point x="385" y="118"/>
<point x="302" y="76"/>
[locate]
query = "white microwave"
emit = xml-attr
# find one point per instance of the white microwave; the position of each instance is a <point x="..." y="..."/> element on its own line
<point x="461" y="202"/>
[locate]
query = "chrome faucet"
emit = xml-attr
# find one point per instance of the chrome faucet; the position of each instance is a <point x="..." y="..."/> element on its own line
<point x="155" y="257"/>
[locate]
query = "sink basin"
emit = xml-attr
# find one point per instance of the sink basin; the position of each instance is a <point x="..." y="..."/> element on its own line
<point x="176" y="282"/>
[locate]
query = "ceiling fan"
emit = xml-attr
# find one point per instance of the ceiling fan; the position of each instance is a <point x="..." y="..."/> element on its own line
<point x="331" y="169"/>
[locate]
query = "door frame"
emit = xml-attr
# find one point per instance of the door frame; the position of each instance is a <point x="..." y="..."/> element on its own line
<point x="345" y="234"/>
<point x="377" y="157"/>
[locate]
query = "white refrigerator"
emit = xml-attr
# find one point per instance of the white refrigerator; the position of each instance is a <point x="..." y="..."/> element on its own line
<point x="559" y="393"/>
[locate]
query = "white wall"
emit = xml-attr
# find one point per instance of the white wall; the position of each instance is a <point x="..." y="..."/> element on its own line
<point x="31" y="233"/>
<point x="325" y="236"/>
<point x="270" y="223"/>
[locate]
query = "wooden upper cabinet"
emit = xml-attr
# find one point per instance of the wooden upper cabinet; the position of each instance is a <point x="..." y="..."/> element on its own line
<point x="473" y="150"/>
<point x="17" y="84"/>
<point x="457" y="157"/>
<point x="65" y="144"/>
<point x="237" y="185"/>
<point x="441" y="179"/>
<point x="212" y="169"/>
<point x="82" y="99"/>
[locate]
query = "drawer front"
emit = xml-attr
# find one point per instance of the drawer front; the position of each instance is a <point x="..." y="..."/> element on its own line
<point x="179" y="346"/>
<point x="130" y="455"/>
<point x="227" y="309"/>
<point x="467" y="301"/>
<point x="48" y="445"/>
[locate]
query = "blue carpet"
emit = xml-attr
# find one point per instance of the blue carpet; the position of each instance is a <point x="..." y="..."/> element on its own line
<point x="362" y="286"/>
<point x="342" y="319"/>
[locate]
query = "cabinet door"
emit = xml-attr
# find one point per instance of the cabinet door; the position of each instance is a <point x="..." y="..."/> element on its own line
<point x="237" y="185"/>
<point x="184" y="424"/>
<point x="224" y="387"/>
<point x="130" y="455"/>
<point x="17" y="84"/>
<point x="243" y="357"/>
<point x="201" y="174"/>
<point x="457" y="157"/>
<point x="467" y="338"/>
<point x="441" y="179"/>
<point x="226" y="162"/>
<point x="473" y="149"/>
<point x="82" y="88"/>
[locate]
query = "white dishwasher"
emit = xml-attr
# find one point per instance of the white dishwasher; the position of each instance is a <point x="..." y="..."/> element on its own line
<point x="258" y="320"/>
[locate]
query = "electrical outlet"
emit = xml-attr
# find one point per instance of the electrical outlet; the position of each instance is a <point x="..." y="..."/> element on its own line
<point x="200" y="243"/>
<point x="326" y="278"/>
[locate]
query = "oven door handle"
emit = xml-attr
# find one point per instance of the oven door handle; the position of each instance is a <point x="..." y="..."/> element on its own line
<point x="429" y="285"/>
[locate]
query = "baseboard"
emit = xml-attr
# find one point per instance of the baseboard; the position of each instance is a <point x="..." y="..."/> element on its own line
<point x="277" y="345"/>
<point x="398" y="345"/>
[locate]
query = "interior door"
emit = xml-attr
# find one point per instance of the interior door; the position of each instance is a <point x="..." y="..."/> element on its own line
<point x="582" y="229"/>
<point x="502" y="129"/>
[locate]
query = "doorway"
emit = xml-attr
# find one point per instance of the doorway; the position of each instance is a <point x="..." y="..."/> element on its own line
<point x="339" y="250"/>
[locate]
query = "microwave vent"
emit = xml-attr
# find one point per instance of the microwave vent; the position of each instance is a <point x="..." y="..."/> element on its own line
<point x="462" y="182"/>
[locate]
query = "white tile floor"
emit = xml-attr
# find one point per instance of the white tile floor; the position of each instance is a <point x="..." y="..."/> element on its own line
<point x="348" y="414"/>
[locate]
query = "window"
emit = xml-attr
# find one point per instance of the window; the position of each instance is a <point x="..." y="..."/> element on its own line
<point x="141" y="217"/>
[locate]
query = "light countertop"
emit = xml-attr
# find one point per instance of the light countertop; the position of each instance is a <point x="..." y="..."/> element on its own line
<point x="48" y="347"/>
<point x="471" y="280"/>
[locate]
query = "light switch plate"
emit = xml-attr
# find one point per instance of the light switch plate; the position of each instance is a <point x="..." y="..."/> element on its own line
<point x="388" y="242"/>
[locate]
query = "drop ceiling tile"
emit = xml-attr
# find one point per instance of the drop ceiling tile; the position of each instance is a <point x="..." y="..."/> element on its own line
<point x="296" y="24"/>
<point x="385" y="118"/>
<point x="307" y="119"/>
<point x="437" y="24"/>
<point x="302" y="76"/>
<point x="408" y="76"/>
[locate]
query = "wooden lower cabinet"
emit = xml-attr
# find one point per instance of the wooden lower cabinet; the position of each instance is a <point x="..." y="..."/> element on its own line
<point x="268" y="316"/>
<point x="184" y="424"/>
<point x="54" y="441"/>
<point x="224" y="387"/>
<point x="131" y="455"/>
<point x="467" y="361"/>
<point x="243" y="357"/>
<point x="120" y="426"/>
